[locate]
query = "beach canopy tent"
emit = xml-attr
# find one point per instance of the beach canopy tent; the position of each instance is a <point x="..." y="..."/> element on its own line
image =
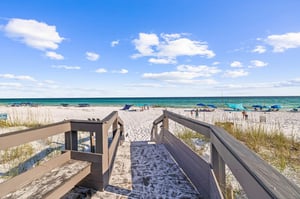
<point x="127" y="107"/>
<point x="236" y="107"/>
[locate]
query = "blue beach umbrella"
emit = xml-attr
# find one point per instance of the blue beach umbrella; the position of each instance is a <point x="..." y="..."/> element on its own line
<point x="276" y="106"/>
<point x="201" y="104"/>
<point x="211" y="106"/>
<point x="257" y="106"/>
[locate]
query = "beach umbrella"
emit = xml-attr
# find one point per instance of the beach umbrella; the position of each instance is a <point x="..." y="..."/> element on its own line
<point x="257" y="106"/>
<point x="211" y="106"/>
<point x="201" y="104"/>
<point x="276" y="106"/>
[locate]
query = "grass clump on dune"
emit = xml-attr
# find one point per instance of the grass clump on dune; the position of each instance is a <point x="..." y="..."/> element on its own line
<point x="276" y="148"/>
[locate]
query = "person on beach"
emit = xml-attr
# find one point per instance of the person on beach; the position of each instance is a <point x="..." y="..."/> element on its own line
<point x="245" y="115"/>
<point x="197" y="113"/>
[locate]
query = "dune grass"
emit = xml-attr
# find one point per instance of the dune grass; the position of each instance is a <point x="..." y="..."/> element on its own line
<point x="190" y="138"/>
<point x="28" y="118"/>
<point x="276" y="148"/>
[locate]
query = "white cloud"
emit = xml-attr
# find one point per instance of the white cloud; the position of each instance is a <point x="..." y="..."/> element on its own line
<point x="236" y="64"/>
<point x="114" y="43"/>
<point x="101" y="70"/>
<point x="150" y="85"/>
<point x="170" y="46"/>
<point x="235" y="73"/>
<point x="92" y="56"/>
<point x="17" y="77"/>
<point x="185" y="74"/>
<point x="144" y="44"/>
<point x="66" y="67"/>
<point x="34" y="34"/>
<point x="259" y="49"/>
<point x="215" y="63"/>
<point x="280" y="43"/>
<point x="54" y="55"/>
<point x="202" y="70"/>
<point x="122" y="71"/>
<point x="162" y="60"/>
<point x="9" y="84"/>
<point x="257" y="64"/>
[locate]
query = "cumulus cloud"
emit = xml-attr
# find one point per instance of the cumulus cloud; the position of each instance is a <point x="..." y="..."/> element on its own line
<point x="101" y="70"/>
<point x="164" y="49"/>
<point x="92" y="56"/>
<point x="17" y="77"/>
<point x="144" y="44"/>
<point x="114" y="43"/>
<point x="11" y="85"/>
<point x="162" y="60"/>
<point x="122" y="71"/>
<point x="235" y="73"/>
<point x="66" y="67"/>
<point x="281" y="43"/>
<point x="236" y="64"/>
<point x="54" y="55"/>
<point x="259" y="49"/>
<point x="257" y="64"/>
<point x="185" y="74"/>
<point x="35" y="34"/>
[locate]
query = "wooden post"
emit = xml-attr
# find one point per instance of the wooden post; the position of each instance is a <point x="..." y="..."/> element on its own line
<point x="71" y="140"/>
<point x="218" y="166"/>
<point x="115" y="127"/>
<point x="102" y="148"/>
<point x="92" y="141"/>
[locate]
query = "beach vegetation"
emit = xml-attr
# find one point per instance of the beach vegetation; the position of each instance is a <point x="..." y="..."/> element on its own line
<point x="274" y="147"/>
<point x="196" y="141"/>
<point x="27" y="118"/>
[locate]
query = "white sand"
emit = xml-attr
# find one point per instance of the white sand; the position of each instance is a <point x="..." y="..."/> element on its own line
<point x="138" y="123"/>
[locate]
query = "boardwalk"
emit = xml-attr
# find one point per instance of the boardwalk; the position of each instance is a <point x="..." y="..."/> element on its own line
<point x="143" y="170"/>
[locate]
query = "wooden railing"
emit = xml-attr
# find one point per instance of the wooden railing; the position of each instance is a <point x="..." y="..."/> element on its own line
<point x="102" y="153"/>
<point x="258" y="178"/>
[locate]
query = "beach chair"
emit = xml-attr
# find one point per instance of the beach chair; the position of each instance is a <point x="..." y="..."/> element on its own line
<point x="126" y="107"/>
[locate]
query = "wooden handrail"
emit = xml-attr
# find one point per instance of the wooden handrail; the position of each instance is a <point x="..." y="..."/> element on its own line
<point x="258" y="178"/>
<point x="102" y="157"/>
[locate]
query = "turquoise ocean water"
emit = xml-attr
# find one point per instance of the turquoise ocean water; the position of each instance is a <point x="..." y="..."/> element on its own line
<point x="287" y="102"/>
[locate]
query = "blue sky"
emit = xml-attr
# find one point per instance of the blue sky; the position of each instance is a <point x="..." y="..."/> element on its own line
<point x="136" y="48"/>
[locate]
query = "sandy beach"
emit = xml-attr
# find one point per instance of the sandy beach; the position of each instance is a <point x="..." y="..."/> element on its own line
<point x="139" y="123"/>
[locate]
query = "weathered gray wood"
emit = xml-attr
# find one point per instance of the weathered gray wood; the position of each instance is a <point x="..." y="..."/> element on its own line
<point x="258" y="179"/>
<point x="158" y="120"/>
<point x="85" y="125"/>
<point x="109" y="120"/>
<point x="95" y="179"/>
<point x="256" y="176"/>
<point x="192" y="164"/>
<point x="195" y="125"/>
<point x="215" y="190"/>
<point x="68" y="184"/>
<point x="113" y="147"/>
<point x="25" y="178"/>
<point x="218" y="166"/>
<point x="21" y="137"/>
<point x="71" y="140"/>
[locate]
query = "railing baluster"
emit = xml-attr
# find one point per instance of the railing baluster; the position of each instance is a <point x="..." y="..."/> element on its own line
<point x="218" y="166"/>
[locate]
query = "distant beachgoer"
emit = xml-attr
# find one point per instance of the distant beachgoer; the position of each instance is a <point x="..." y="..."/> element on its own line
<point x="197" y="113"/>
<point x="245" y="115"/>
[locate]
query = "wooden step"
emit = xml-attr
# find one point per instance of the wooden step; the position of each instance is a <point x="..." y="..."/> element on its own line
<point x="50" y="180"/>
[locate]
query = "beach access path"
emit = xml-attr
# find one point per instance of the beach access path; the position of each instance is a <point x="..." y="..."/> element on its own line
<point x="142" y="169"/>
